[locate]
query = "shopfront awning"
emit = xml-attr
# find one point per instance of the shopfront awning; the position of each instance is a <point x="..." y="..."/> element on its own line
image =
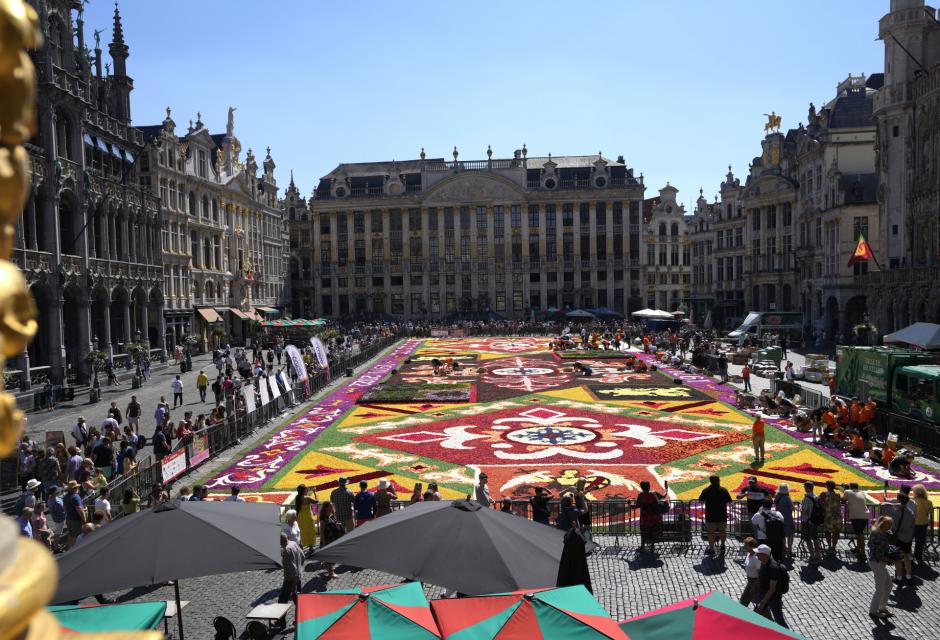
<point x="267" y="311"/>
<point x="116" y="152"/>
<point x="88" y="139"/>
<point x="238" y="313"/>
<point x="104" y="146"/>
<point x="129" y="156"/>
<point x="209" y="315"/>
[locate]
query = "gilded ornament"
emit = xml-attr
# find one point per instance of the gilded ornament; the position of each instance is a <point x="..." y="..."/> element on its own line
<point x="17" y="115"/>
<point x="17" y="311"/>
<point x="14" y="184"/>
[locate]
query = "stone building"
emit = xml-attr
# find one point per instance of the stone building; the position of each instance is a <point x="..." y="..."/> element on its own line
<point x="702" y="267"/>
<point x="89" y="239"/>
<point x="730" y="255"/>
<point x="835" y="153"/>
<point x="667" y="259"/>
<point x="225" y="235"/>
<point x="435" y="238"/>
<point x="907" y="289"/>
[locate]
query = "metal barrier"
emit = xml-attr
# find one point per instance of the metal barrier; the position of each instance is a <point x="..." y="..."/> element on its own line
<point x="909" y="430"/>
<point x="810" y="398"/>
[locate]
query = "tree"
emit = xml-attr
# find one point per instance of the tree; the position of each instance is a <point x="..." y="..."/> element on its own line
<point x="96" y="360"/>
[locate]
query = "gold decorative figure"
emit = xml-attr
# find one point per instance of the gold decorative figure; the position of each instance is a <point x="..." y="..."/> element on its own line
<point x="773" y="122"/>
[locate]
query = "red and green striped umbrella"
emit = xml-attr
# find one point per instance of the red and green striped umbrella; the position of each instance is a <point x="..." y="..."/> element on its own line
<point x="389" y="612"/>
<point x="545" y="614"/>
<point x="711" y="615"/>
<point x="137" y="616"/>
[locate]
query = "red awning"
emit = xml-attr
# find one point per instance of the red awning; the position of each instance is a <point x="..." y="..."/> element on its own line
<point x="238" y="313"/>
<point x="209" y="315"/>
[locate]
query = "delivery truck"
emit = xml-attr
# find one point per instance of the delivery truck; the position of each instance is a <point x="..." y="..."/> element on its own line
<point x="904" y="381"/>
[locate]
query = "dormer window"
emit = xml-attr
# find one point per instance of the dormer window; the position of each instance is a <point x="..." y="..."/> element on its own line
<point x="203" y="166"/>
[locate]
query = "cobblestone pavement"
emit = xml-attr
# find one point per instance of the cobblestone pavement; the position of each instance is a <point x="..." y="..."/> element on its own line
<point x="825" y="603"/>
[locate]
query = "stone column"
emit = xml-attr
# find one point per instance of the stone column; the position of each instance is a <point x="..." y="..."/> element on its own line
<point x="144" y="326"/>
<point x="106" y="338"/>
<point x="31" y="221"/>
<point x="128" y="336"/>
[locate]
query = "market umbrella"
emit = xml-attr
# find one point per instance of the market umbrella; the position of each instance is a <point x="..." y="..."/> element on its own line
<point x="545" y="614"/>
<point x="643" y="313"/>
<point x="220" y="537"/>
<point x="711" y="615"/>
<point x="581" y="314"/>
<point x="392" y="612"/>
<point x="475" y="550"/>
<point x="135" y="616"/>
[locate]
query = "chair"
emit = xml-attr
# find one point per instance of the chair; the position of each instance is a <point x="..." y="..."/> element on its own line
<point x="257" y="630"/>
<point x="224" y="629"/>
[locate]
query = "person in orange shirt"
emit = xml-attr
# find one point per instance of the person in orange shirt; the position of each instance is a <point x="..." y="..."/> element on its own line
<point x="855" y="412"/>
<point x="646" y="344"/>
<point x="757" y="437"/>
<point x="843" y="413"/>
<point x="868" y="412"/>
<point x="746" y="377"/>
<point x="858" y="445"/>
<point x="887" y="456"/>
<point x="832" y="386"/>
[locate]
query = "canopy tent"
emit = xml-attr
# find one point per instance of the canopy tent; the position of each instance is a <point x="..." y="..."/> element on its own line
<point x="924" y="335"/>
<point x="604" y="312"/>
<point x="643" y="313"/>
<point x="581" y="314"/>
<point x="710" y="615"/>
<point x="135" y="616"/>
<point x="476" y="550"/>
<point x="286" y="323"/>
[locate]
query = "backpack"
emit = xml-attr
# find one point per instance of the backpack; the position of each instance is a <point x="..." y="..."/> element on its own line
<point x="773" y="527"/>
<point x="20" y="504"/>
<point x="334" y="530"/>
<point x="817" y="516"/>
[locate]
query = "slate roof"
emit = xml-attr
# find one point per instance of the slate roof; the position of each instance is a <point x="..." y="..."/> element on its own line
<point x="151" y="131"/>
<point x="354" y="169"/>
<point x="852" y="110"/>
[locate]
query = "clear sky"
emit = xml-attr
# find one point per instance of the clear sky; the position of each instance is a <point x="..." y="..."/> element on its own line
<point x="677" y="88"/>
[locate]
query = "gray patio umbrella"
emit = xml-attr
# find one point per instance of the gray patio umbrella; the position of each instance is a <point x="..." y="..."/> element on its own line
<point x="220" y="537"/>
<point x="458" y="545"/>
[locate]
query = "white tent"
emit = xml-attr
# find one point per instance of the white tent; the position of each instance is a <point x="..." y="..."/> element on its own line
<point x="659" y="314"/>
<point x="925" y="335"/>
<point x="643" y="313"/>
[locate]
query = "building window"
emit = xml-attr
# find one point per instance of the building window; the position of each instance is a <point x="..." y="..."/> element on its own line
<point x="359" y="222"/>
<point x="203" y="164"/>
<point x="377" y="225"/>
<point x="550" y="219"/>
<point x="567" y="214"/>
<point x="481" y="217"/>
<point x="464" y="217"/>
<point x="515" y="216"/>
<point x="378" y="248"/>
<point x="755" y="219"/>
<point x="414" y="219"/>
<point x="859" y="226"/>
<point x="498" y="220"/>
<point x="771" y="218"/>
<point x="432" y="218"/>
<point x="500" y="301"/>
<point x="787" y="214"/>
<point x="533" y="216"/>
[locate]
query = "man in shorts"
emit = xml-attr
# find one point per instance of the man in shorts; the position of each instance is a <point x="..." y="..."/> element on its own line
<point x="133" y="415"/>
<point x="857" y="513"/>
<point x="716" y="499"/>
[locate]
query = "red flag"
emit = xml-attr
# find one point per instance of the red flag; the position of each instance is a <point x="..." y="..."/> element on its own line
<point x="862" y="251"/>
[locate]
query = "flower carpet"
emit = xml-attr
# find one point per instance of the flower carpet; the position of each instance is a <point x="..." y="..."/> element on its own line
<point x="531" y="421"/>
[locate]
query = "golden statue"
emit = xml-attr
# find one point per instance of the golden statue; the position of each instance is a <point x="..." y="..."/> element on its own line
<point x="773" y="122"/>
<point x="28" y="573"/>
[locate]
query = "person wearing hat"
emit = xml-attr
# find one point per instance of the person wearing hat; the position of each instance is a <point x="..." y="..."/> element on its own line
<point x="772" y="583"/>
<point x="384" y="496"/>
<point x="755" y="495"/>
<point x="28" y="497"/>
<point x="812" y="515"/>
<point x="80" y="433"/>
<point x="342" y="499"/>
<point x="784" y="505"/>
<point x="75" y="514"/>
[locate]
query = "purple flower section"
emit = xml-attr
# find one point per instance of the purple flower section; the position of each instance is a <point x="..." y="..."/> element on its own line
<point x="725" y="393"/>
<point x="253" y="470"/>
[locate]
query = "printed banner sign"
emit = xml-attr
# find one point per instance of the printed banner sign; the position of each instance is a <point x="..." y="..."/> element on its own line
<point x="275" y="389"/>
<point x="199" y="450"/>
<point x="439" y="333"/>
<point x="263" y="388"/>
<point x="297" y="360"/>
<point x="173" y="465"/>
<point x="319" y="350"/>
<point x="248" y="392"/>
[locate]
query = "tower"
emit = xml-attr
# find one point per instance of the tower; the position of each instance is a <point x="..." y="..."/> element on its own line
<point x="122" y="85"/>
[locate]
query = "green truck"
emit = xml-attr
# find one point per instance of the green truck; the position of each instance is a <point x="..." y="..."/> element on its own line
<point x="899" y="380"/>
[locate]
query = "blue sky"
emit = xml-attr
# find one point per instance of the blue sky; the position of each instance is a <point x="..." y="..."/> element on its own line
<point x="678" y="88"/>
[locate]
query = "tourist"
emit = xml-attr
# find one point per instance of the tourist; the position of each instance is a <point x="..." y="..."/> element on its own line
<point x="758" y="437"/>
<point x="904" y="516"/>
<point x="80" y="433"/>
<point x="784" y="505"/>
<point x="755" y="494"/>
<point x="539" y="503"/>
<point x="303" y="505"/>
<point x="217" y="389"/>
<point x="25" y="522"/>
<point x="773" y="581"/>
<point x="879" y="543"/>
<point x="330" y="529"/>
<point x="924" y="510"/>
<point x="506" y="506"/>
<point x="161" y="413"/>
<point x="292" y="560"/>
<point x="831" y="502"/>
<point x="364" y="503"/>
<point x="185" y="494"/>
<point x="856" y="509"/>
<point x="482" y="491"/>
<point x="103" y="505"/>
<point x="581" y="503"/>
<point x="651" y="516"/>
<point x="769" y="528"/>
<point x="384" y="496"/>
<point x="114" y="412"/>
<point x="133" y="414"/>
<point x="130" y="502"/>
<point x="433" y="492"/>
<point x="41" y="532"/>
<point x="342" y="499"/>
<point x="104" y="457"/>
<point x="812" y="516"/>
<point x="568" y="515"/>
<point x="716" y="499"/>
<point x="416" y="494"/>
<point x="202" y="384"/>
<point x="746" y="377"/>
<point x="233" y="495"/>
<point x="291" y="529"/>
<point x="788" y="372"/>
<point x="161" y="447"/>
<point x="49" y="471"/>
<point x="56" y="512"/>
<point x="752" y="567"/>
<point x="177" y="386"/>
<point x="75" y="514"/>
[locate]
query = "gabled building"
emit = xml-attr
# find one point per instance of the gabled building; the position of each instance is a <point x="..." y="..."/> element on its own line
<point x="668" y="252"/>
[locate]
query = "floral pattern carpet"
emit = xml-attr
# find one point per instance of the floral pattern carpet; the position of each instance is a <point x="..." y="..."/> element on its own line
<point x="534" y="421"/>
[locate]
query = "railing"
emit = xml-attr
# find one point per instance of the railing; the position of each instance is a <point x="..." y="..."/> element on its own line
<point x="909" y="431"/>
<point x="810" y="397"/>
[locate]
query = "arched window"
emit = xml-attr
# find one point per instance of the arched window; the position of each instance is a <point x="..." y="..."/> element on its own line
<point x="210" y="290"/>
<point x="662" y="228"/>
<point x="291" y="213"/>
<point x="192" y="203"/>
<point x="674" y="231"/>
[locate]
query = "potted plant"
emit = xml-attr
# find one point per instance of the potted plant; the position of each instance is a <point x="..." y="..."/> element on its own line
<point x="189" y="342"/>
<point x="96" y="360"/>
<point x="137" y="351"/>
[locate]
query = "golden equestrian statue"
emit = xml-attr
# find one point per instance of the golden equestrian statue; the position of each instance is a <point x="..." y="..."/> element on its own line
<point x="773" y="122"/>
<point x="28" y="573"/>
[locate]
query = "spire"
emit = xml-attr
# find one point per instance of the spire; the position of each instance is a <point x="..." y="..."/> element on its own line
<point x="117" y="36"/>
<point x="292" y="185"/>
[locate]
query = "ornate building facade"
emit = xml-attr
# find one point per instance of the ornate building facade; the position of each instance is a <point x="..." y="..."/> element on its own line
<point x="907" y="114"/>
<point x="435" y="238"/>
<point x="667" y="259"/>
<point x="89" y="239"/>
<point x="225" y="235"/>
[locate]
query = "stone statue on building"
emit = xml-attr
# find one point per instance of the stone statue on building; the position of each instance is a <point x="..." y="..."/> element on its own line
<point x="230" y="125"/>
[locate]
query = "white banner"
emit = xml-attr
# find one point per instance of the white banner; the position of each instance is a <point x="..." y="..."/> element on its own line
<point x="297" y="360"/>
<point x="282" y="376"/>
<point x="319" y="350"/>
<point x="263" y="388"/>
<point x="275" y="390"/>
<point x="173" y="465"/>
<point x="248" y="392"/>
